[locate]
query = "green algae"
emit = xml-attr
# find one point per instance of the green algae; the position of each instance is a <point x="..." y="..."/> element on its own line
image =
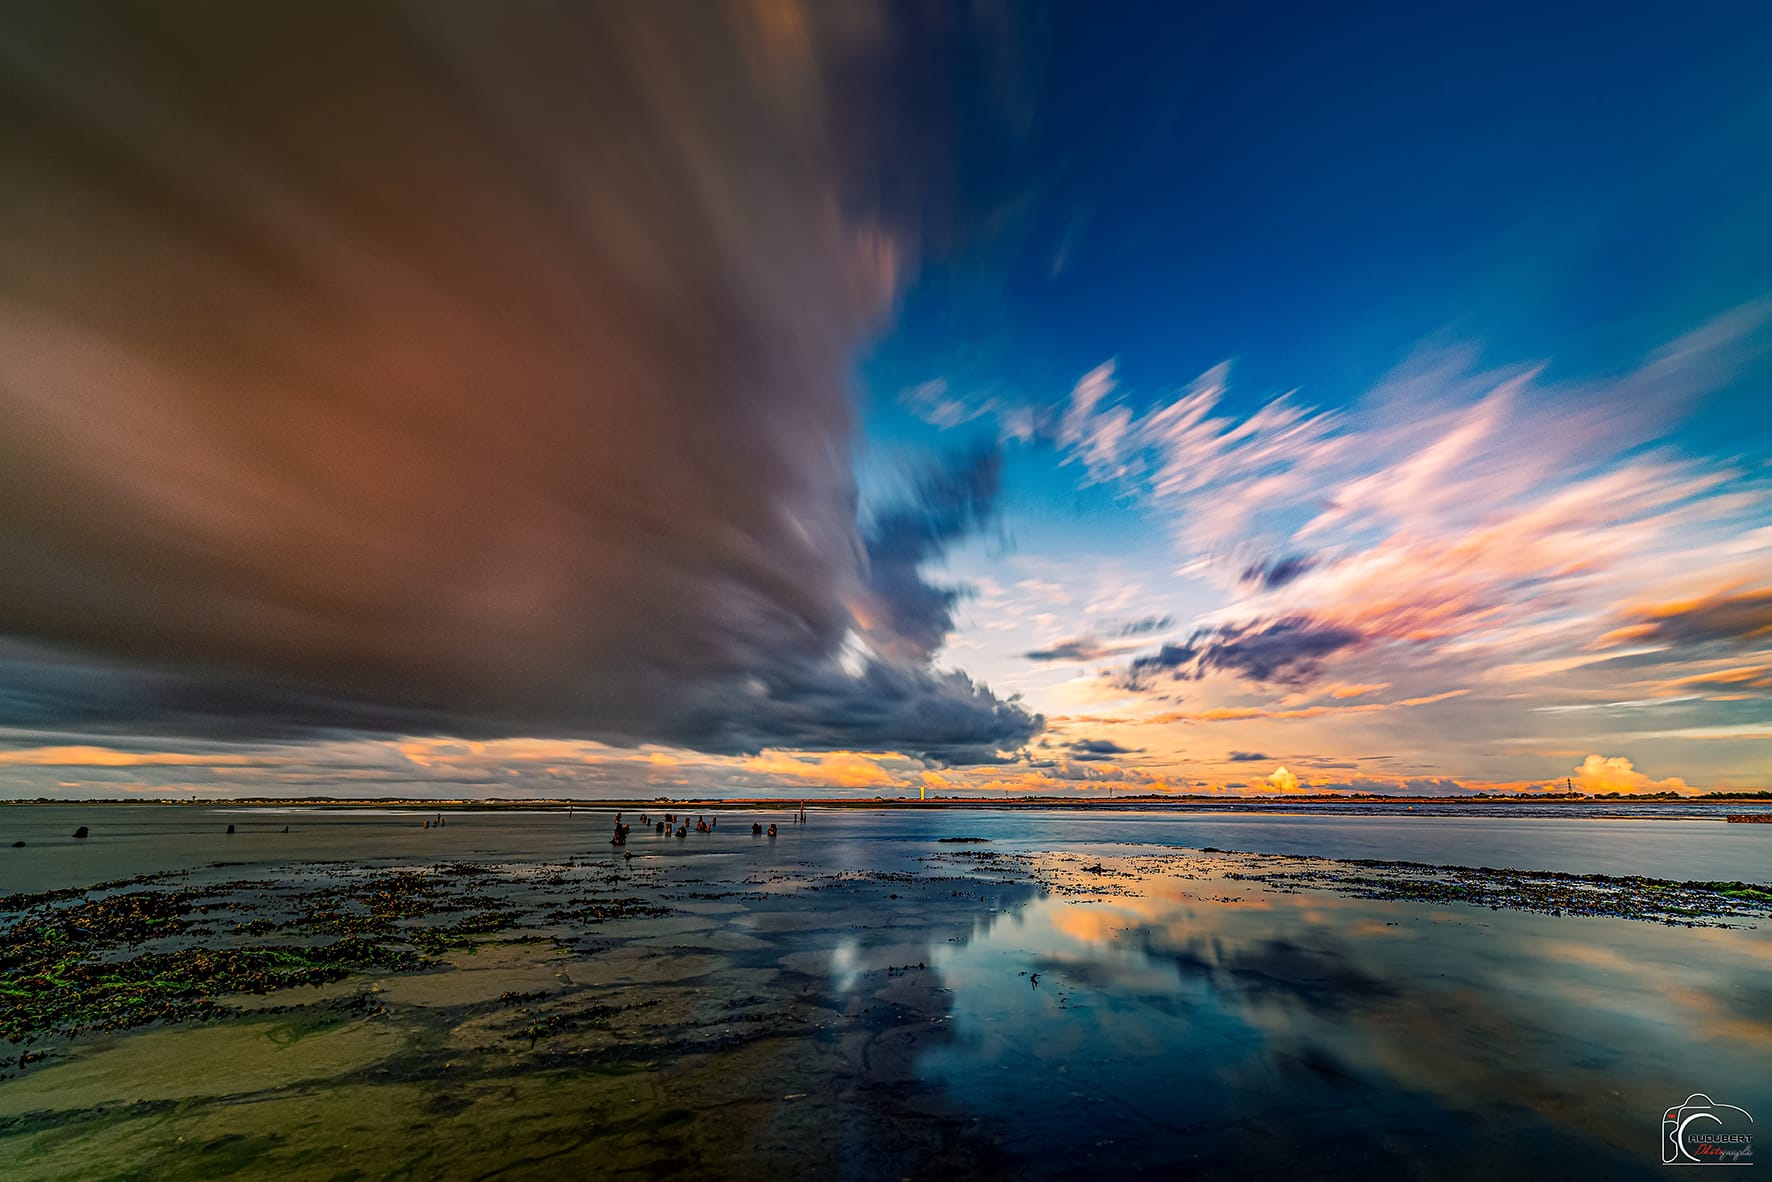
<point x="114" y="958"/>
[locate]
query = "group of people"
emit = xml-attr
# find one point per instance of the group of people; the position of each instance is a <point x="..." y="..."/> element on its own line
<point x="436" y="824"/>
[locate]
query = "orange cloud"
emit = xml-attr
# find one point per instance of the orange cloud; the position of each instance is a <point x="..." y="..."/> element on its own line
<point x="1432" y="698"/>
<point x="106" y="757"/>
<point x="429" y="753"/>
<point x="1598" y="773"/>
<point x="1357" y="691"/>
<point x="1245" y="713"/>
<point x="839" y="769"/>
<point x="1748" y="676"/>
<point x="1283" y="781"/>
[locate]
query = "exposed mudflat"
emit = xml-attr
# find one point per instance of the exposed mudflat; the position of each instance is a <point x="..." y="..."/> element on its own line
<point x="725" y="1016"/>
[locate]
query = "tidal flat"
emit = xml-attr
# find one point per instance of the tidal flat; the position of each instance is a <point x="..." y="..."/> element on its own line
<point x="825" y="1005"/>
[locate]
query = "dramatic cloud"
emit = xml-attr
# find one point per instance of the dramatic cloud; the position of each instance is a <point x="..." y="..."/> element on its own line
<point x="1598" y="773"/>
<point x="1289" y="651"/>
<point x="906" y="616"/>
<point x="1282" y="780"/>
<point x="1441" y="529"/>
<point x="467" y="369"/>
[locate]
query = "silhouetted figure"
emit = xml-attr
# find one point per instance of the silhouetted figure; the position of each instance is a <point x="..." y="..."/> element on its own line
<point x="756" y="828"/>
<point x="661" y="827"/>
<point x="772" y="831"/>
<point x="683" y="830"/>
<point x="81" y="832"/>
<point x="230" y="828"/>
<point x="286" y="829"/>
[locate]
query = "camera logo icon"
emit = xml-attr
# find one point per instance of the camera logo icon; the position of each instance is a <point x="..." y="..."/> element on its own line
<point x="1702" y="1132"/>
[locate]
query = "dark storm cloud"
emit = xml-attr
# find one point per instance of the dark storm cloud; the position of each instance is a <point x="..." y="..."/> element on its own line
<point x="1289" y="651"/>
<point x="906" y="615"/>
<point x="463" y="368"/>
<point x="1176" y="660"/>
<point x="1072" y="649"/>
<point x="1277" y="572"/>
<point x="1088" y="750"/>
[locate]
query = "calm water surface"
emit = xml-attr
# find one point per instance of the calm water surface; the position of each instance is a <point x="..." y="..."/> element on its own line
<point x="138" y="839"/>
<point x="857" y="1000"/>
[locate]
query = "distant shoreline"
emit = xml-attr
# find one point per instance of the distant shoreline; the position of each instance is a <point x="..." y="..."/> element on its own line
<point x="1193" y="802"/>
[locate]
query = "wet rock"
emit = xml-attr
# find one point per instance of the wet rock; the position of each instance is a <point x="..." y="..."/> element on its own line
<point x="81" y="832"/>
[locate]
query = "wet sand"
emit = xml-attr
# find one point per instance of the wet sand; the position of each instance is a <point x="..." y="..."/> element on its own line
<point x="951" y="1009"/>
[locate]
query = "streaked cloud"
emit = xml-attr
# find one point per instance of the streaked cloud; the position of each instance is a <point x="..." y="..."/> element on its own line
<point x="465" y="370"/>
<point x="1727" y="616"/>
<point x="1290" y="651"/>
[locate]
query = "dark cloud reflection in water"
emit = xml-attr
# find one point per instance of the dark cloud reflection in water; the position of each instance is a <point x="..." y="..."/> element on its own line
<point x="1208" y="1026"/>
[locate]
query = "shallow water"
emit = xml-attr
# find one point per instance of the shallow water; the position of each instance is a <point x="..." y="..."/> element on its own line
<point x="136" y="839"/>
<point x="857" y="999"/>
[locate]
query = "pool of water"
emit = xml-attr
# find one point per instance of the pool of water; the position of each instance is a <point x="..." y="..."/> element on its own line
<point x="859" y="999"/>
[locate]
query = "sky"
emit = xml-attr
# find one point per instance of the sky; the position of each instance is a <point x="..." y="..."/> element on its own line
<point x="818" y="399"/>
